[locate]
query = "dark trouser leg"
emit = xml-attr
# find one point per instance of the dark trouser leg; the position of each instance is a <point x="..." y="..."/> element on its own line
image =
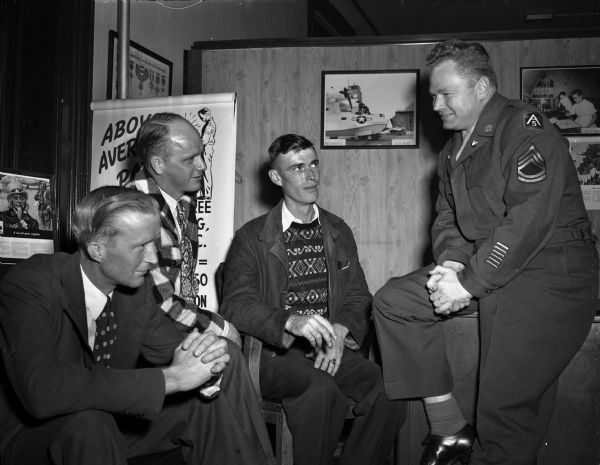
<point x="226" y="430"/>
<point x="84" y="438"/>
<point x="314" y="405"/>
<point x="530" y="330"/>
<point x="412" y="343"/>
<point x="378" y="419"/>
<point x="237" y="421"/>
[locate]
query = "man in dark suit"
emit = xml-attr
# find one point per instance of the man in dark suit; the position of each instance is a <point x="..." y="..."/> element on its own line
<point x="64" y="398"/>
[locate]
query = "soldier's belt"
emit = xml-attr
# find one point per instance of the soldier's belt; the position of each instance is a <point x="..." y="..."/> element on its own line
<point x="574" y="234"/>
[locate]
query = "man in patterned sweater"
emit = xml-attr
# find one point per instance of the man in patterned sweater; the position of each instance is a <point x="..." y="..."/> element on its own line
<point x="293" y="280"/>
<point x="171" y="151"/>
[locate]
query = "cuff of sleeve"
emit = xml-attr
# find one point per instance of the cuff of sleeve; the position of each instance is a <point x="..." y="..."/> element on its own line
<point x="216" y="329"/>
<point x="473" y="284"/>
<point x="355" y="336"/>
<point x="226" y="327"/>
<point x="454" y="255"/>
<point x="287" y="340"/>
<point x="351" y="343"/>
<point x="211" y="389"/>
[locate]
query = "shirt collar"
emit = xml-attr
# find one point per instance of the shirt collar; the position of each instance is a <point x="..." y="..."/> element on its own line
<point x="171" y="202"/>
<point x="287" y="218"/>
<point x="95" y="299"/>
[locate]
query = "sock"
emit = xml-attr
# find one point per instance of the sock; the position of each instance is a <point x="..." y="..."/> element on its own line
<point x="445" y="418"/>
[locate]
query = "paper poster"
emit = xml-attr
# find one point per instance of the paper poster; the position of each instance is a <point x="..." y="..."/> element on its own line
<point x="114" y="128"/>
<point x="585" y="152"/>
<point x="27" y="215"/>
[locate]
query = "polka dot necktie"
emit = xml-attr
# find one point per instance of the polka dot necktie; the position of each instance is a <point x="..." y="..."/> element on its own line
<point x="106" y="335"/>
<point x="188" y="287"/>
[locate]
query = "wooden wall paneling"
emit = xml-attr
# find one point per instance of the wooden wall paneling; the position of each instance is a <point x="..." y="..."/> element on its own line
<point x="582" y="51"/>
<point x="505" y="58"/>
<point x="573" y="437"/>
<point x="238" y="71"/>
<point x="387" y="195"/>
<point x="279" y="91"/>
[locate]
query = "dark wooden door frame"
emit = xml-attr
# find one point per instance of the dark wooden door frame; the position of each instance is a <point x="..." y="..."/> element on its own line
<point x="60" y="35"/>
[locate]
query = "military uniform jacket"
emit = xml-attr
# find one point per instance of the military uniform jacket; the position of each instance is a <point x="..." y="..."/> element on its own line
<point x="513" y="191"/>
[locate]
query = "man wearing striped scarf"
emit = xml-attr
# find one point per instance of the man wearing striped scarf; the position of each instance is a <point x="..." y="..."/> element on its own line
<point x="171" y="151"/>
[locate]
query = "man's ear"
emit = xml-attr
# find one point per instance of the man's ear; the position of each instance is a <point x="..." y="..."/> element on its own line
<point x="157" y="164"/>
<point x="96" y="251"/>
<point x="274" y="176"/>
<point x="483" y="88"/>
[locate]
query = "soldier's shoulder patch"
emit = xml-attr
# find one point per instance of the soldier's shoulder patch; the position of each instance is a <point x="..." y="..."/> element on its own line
<point x="533" y="120"/>
<point x="531" y="166"/>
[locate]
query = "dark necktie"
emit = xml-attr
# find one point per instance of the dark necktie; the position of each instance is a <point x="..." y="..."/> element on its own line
<point x="106" y="335"/>
<point x="188" y="288"/>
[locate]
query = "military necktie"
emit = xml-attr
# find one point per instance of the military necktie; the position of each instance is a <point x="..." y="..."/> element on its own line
<point x="106" y="335"/>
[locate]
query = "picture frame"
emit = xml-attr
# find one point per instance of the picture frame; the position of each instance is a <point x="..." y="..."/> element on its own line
<point x="542" y="87"/>
<point x="27" y="215"/>
<point x="585" y="152"/>
<point x="369" y="109"/>
<point x="150" y="75"/>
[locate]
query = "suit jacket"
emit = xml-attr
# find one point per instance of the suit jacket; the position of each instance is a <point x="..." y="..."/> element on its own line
<point x="256" y="280"/>
<point x="48" y="368"/>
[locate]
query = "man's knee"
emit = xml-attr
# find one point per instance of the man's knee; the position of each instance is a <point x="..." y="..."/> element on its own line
<point x="391" y="295"/>
<point x="322" y="390"/>
<point x="403" y="295"/>
<point x="88" y="424"/>
<point x="235" y="354"/>
<point x="91" y="433"/>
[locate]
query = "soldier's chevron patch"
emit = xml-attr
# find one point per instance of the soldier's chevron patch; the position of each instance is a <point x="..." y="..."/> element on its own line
<point x="531" y="166"/>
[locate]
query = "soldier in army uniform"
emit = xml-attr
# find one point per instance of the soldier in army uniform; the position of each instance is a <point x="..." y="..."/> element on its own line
<point x="511" y="239"/>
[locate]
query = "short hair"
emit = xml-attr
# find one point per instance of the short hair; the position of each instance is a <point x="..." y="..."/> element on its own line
<point x="562" y="92"/>
<point x="97" y="214"/>
<point x="472" y="60"/>
<point x="153" y="136"/>
<point x="577" y="92"/>
<point x="288" y="143"/>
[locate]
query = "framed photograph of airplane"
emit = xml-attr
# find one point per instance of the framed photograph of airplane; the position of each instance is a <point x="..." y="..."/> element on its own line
<point x="369" y="109"/>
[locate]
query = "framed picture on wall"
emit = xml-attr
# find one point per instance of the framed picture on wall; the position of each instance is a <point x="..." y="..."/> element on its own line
<point x="568" y="95"/>
<point x="149" y="74"/>
<point x="369" y="109"/>
<point x="585" y="152"/>
<point x="27" y="215"/>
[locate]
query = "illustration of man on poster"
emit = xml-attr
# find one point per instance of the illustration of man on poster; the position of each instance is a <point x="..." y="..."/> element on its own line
<point x="208" y="131"/>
